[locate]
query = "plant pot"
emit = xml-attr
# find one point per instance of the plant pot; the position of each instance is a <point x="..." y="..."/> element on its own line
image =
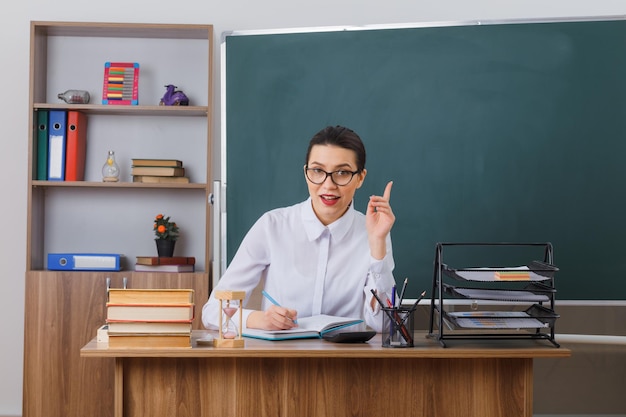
<point x="165" y="247"/>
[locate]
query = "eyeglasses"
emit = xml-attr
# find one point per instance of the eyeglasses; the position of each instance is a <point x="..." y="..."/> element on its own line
<point x="318" y="176"/>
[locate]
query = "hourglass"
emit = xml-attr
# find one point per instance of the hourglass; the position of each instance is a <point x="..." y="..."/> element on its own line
<point x="229" y="332"/>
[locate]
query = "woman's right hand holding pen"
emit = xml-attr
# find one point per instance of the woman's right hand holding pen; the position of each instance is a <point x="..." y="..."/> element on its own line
<point x="274" y="318"/>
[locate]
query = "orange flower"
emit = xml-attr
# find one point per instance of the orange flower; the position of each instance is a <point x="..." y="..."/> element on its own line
<point x="164" y="228"/>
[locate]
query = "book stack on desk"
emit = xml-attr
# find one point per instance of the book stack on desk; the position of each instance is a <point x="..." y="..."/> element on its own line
<point x="150" y="318"/>
<point x="165" y="264"/>
<point x="158" y="171"/>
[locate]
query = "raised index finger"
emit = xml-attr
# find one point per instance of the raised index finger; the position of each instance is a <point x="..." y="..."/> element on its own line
<point x="387" y="193"/>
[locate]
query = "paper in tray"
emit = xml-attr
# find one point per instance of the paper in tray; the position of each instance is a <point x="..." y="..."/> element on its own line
<point x="499" y="323"/>
<point x="499" y="274"/>
<point x="502" y="319"/>
<point x="535" y="271"/>
<point x="500" y="295"/>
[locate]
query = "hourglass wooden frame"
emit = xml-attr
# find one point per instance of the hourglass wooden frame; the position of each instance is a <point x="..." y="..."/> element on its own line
<point x="229" y="295"/>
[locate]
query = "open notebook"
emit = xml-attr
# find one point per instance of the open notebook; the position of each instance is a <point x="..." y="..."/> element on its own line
<point x="308" y="328"/>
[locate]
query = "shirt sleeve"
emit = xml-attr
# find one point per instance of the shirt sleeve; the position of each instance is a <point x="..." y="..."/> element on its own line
<point x="380" y="279"/>
<point x="244" y="273"/>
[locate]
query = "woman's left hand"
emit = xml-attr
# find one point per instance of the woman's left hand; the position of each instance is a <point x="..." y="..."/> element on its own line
<point x="379" y="219"/>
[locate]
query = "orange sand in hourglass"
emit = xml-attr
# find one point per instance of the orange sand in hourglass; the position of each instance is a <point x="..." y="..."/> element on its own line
<point x="228" y="332"/>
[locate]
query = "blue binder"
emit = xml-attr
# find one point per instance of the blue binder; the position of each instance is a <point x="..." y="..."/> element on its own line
<point x="84" y="262"/>
<point x="57" y="139"/>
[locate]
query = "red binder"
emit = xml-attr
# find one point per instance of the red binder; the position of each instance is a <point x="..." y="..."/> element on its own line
<point x="76" y="147"/>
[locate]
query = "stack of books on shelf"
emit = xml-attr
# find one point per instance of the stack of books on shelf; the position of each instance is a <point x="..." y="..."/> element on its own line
<point x="165" y="264"/>
<point x="158" y="171"/>
<point x="150" y="318"/>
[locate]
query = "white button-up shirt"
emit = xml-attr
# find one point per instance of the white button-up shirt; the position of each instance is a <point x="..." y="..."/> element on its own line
<point x="309" y="267"/>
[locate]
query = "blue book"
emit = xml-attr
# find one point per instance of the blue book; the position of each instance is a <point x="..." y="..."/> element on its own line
<point x="57" y="140"/>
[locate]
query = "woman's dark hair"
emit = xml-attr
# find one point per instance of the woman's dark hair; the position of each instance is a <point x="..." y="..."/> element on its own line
<point x="342" y="137"/>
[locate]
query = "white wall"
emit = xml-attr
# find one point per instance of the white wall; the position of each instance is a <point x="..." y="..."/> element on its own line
<point x="225" y="16"/>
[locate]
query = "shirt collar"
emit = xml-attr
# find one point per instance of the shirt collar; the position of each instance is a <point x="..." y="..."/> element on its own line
<point x="314" y="228"/>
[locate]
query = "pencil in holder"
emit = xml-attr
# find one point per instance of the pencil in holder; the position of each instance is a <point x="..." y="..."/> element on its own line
<point x="398" y="327"/>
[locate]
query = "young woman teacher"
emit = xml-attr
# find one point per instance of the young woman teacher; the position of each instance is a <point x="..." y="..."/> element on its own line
<point x="320" y="256"/>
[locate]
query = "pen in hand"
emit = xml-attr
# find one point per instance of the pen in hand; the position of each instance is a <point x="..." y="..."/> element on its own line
<point x="269" y="297"/>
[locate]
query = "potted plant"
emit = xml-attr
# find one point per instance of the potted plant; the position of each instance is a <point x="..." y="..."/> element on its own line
<point x="166" y="233"/>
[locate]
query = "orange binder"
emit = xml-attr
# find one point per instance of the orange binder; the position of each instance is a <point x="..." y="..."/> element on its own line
<point x="76" y="147"/>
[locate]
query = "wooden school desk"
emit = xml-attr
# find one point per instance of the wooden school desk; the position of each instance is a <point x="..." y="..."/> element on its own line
<point x="318" y="378"/>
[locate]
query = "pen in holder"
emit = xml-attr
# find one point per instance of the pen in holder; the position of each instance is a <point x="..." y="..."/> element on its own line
<point x="398" y="327"/>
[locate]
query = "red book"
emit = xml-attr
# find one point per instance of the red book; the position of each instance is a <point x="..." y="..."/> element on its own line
<point x="76" y="146"/>
<point x="164" y="260"/>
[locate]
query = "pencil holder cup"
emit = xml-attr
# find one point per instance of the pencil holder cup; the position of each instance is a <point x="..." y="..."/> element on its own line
<point x="397" y="327"/>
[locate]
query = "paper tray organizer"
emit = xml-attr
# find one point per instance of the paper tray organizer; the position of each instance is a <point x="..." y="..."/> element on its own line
<point x="532" y="284"/>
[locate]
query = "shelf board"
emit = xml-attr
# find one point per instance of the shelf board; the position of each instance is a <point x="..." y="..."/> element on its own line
<point x="123" y="272"/>
<point x="123" y="30"/>
<point x="92" y="184"/>
<point x="118" y="110"/>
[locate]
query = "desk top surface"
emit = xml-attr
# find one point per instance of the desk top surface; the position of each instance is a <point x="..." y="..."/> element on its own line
<point x="425" y="347"/>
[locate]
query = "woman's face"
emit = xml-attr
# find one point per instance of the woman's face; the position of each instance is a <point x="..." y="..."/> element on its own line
<point x="330" y="201"/>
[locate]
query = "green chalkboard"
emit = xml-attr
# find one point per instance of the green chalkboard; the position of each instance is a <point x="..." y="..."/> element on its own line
<point x="509" y="132"/>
